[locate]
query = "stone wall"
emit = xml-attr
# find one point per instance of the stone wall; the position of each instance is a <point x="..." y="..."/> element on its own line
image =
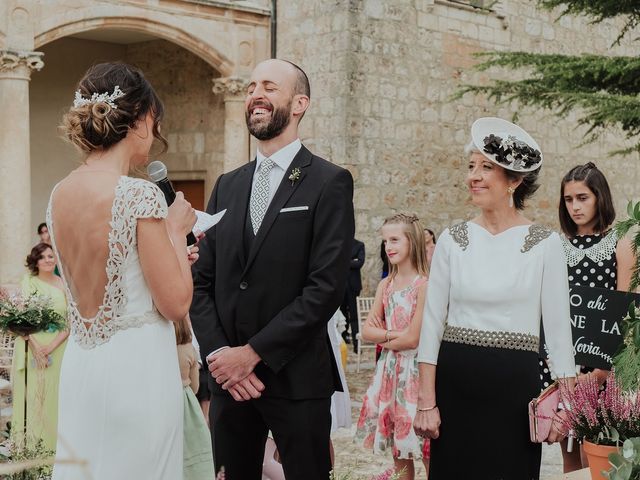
<point x="51" y="94"/>
<point x="194" y="115"/>
<point x="382" y="77"/>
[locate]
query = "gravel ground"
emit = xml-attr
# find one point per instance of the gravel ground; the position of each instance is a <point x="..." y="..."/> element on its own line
<point x="362" y="465"/>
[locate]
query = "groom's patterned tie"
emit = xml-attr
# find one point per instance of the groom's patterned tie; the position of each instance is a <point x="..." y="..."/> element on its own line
<point x="260" y="194"/>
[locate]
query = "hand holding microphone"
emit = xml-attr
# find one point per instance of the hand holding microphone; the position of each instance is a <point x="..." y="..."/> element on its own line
<point x="182" y="217"/>
<point x="181" y="214"/>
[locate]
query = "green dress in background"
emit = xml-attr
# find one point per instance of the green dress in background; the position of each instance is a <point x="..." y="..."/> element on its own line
<point x="42" y="384"/>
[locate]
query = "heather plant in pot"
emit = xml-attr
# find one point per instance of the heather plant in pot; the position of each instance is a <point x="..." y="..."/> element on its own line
<point x="602" y="419"/>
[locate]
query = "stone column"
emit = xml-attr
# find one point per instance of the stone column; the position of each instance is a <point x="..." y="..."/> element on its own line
<point x="236" y="135"/>
<point x="15" y="162"/>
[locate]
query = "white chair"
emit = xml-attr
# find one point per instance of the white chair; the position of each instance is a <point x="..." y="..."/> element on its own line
<point x="364" y="306"/>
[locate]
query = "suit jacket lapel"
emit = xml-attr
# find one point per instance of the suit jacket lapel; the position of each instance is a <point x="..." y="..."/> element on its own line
<point x="284" y="192"/>
<point x="239" y="206"/>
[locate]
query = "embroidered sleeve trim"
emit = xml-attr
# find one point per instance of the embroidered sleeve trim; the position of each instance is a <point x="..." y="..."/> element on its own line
<point x="537" y="233"/>
<point x="460" y="234"/>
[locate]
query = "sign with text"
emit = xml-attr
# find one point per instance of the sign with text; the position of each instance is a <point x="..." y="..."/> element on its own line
<point x="596" y="323"/>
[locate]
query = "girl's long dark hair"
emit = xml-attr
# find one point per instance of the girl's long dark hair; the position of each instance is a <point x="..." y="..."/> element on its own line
<point x="595" y="180"/>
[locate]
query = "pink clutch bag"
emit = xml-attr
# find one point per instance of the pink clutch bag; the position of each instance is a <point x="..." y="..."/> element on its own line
<point x="542" y="411"/>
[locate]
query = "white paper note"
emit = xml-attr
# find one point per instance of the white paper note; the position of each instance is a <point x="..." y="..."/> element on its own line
<point x="206" y="221"/>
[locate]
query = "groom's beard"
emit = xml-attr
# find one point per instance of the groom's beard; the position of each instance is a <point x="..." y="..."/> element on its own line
<point x="277" y="123"/>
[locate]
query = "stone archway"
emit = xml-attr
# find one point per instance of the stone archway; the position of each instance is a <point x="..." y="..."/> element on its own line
<point x="172" y="33"/>
<point x="230" y="38"/>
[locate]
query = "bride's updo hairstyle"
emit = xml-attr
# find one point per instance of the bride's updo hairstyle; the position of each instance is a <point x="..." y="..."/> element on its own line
<point x="109" y="100"/>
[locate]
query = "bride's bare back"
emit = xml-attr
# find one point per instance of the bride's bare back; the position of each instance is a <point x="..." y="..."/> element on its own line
<point x="81" y="211"/>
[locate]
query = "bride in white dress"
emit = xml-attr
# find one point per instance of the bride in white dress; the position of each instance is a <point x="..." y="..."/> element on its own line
<point x="124" y="261"/>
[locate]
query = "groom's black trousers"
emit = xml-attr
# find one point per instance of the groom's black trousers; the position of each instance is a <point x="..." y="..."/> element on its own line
<point x="301" y="430"/>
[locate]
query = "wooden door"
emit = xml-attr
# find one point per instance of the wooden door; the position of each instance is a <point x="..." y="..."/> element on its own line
<point x="193" y="191"/>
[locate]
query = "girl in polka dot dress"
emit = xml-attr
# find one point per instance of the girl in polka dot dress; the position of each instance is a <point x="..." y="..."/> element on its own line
<point x="596" y="257"/>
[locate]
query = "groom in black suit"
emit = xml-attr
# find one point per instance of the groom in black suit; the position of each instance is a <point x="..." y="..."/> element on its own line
<point x="270" y="276"/>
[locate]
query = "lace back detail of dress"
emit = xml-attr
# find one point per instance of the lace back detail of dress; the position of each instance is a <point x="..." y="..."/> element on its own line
<point x="133" y="199"/>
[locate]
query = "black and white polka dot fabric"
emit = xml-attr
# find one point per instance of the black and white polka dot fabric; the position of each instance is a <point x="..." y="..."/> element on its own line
<point x="591" y="262"/>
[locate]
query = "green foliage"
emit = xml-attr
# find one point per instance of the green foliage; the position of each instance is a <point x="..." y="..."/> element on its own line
<point x="626" y="461"/>
<point x="603" y="89"/>
<point x="627" y="365"/>
<point x="600" y="10"/>
<point x="627" y="360"/>
<point x="622" y="229"/>
<point x="31" y="462"/>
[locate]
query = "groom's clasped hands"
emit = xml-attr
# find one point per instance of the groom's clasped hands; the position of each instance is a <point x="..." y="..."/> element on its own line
<point x="232" y="367"/>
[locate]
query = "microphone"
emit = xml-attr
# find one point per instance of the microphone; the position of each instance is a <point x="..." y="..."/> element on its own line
<point x="157" y="172"/>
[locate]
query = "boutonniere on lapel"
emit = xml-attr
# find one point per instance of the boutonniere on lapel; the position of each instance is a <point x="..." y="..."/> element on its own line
<point x="295" y="175"/>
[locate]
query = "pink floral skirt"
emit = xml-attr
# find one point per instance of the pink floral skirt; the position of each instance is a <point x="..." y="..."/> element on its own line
<point x="389" y="407"/>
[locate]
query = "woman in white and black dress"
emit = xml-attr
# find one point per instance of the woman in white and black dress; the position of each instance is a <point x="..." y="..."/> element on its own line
<point x="492" y="280"/>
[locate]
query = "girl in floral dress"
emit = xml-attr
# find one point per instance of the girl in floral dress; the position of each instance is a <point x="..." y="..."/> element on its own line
<point x="389" y="406"/>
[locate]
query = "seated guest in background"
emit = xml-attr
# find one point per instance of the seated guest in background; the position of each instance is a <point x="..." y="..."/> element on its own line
<point x="429" y="244"/>
<point x="349" y="307"/>
<point x="385" y="261"/>
<point x="45" y="356"/>
<point x="493" y="278"/>
<point x="43" y="233"/>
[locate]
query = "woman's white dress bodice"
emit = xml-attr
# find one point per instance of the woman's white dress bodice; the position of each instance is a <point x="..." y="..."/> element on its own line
<point x="499" y="286"/>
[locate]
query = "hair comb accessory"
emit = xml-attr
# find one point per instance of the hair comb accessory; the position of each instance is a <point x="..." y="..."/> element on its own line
<point x="106" y="97"/>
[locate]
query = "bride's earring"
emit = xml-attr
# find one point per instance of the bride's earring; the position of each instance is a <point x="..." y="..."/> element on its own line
<point x="510" y="191"/>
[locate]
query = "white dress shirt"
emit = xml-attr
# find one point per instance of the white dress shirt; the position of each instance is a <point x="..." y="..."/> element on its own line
<point x="493" y="285"/>
<point x="282" y="159"/>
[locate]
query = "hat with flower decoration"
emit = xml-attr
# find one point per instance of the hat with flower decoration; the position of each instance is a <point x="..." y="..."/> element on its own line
<point x="506" y="144"/>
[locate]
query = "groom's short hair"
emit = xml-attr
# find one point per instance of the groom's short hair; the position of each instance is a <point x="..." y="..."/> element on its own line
<point x="302" y="86"/>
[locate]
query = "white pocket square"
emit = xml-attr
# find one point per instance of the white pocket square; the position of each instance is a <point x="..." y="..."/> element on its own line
<point x="294" y="209"/>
